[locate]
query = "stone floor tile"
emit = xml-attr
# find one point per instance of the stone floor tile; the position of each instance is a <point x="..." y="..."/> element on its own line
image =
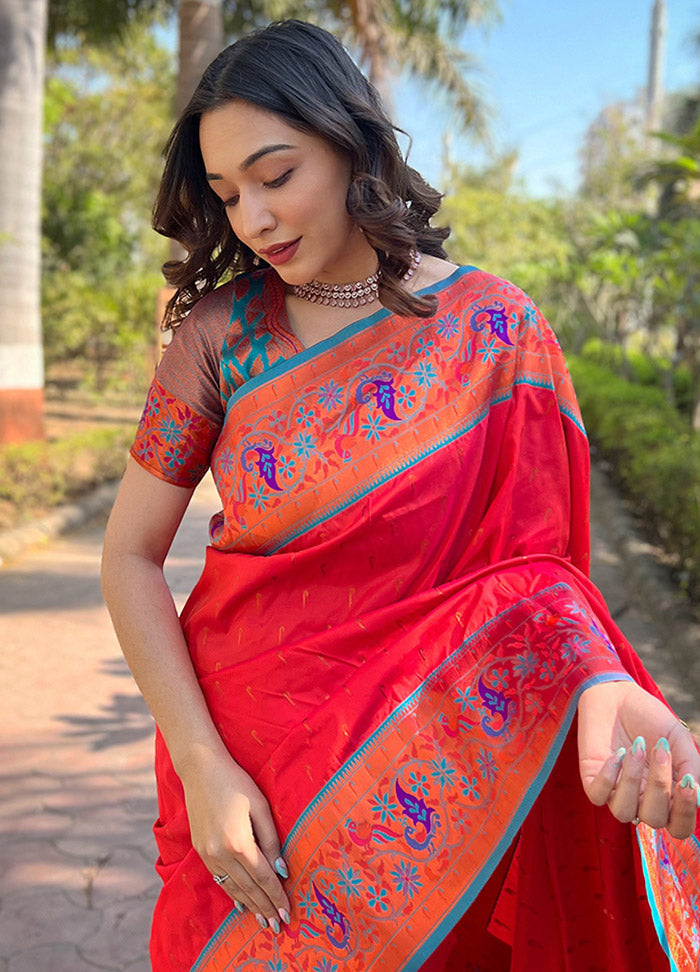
<point x="37" y="865"/>
<point x="36" y="918"/>
<point x="123" y="935"/>
<point x="53" y="958"/>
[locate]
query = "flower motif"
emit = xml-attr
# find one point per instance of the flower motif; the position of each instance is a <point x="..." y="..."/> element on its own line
<point x="406" y="878"/>
<point x="423" y="346"/>
<point x="418" y="783"/>
<point x="533" y="703"/>
<point x="276" y="965"/>
<point x="395" y="351"/>
<point x="425" y="374"/>
<point x="443" y="772"/>
<point x="325" y="965"/>
<point x="330" y="394"/>
<point x="286" y="466"/>
<point x="277" y="421"/>
<point x="525" y="663"/>
<point x="470" y="787"/>
<point x="373" y="427"/>
<point x="260" y="495"/>
<point x="309" y="904"/>
<point x="406" y="396"/>
<point x="448" y="327"/>
<point x="304" y="445"/>
<point x="489" y="351"/>
<point x="305" y="417"/>
<point x="174" y="458"/>
<point x="467" y="698"/>
<point x="144" y="449"/>
<point x="170" y="430"/>
<point x="487" y="765"/>
<point x="385" y="807"/>
<point x="376" y="898"/>
<point x="547" y="670"/>
<point x="226" y="462"/>
<point x="500" y="678"/>
<point x="574" y="647"/>
<point x="351" y="881"/>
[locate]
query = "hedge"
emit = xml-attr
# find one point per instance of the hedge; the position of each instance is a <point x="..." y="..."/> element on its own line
<point x="655" y="459"/>
<point x="36" y="476"/>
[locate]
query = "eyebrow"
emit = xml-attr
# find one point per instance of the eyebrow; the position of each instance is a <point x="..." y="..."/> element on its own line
<point x="253" y="158"/>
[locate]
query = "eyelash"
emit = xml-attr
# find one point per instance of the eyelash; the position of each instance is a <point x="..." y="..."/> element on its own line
<point x="275" y="184"/>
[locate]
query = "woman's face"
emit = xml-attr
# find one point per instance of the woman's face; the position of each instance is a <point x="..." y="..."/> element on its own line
<point x="285" y="194"/>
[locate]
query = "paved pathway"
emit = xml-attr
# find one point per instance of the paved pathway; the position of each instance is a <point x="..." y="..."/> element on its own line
<point x="76" y="793"/>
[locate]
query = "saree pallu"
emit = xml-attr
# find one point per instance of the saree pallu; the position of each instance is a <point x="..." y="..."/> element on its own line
<point x="392" y="630"/>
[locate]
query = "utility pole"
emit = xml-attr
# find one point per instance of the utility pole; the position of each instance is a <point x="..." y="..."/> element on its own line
<point x="655" y="84"/>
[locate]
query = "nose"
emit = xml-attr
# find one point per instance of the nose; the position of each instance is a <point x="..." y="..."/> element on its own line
<point x="252" y="217"/>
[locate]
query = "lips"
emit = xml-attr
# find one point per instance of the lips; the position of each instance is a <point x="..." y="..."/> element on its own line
<point x="280" y="252"/>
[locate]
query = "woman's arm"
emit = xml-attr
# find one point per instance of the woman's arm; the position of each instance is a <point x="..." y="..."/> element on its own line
<point x="223" y="802"/>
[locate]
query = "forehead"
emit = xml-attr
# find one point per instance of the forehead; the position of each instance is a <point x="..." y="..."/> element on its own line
<point x="234" y="131"/>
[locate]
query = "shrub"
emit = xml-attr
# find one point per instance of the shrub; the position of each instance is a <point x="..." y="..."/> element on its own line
<point x="655" y="458"/>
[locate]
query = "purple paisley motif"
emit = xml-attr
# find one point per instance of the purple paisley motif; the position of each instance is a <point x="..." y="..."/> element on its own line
<point x="419" y="815"/>
<point x="498" y="705"/>
<point x="496" y="318"/>
<point x="384" y="393"/>
<point x="334" y="917"/>
<point x="266" y="462"/>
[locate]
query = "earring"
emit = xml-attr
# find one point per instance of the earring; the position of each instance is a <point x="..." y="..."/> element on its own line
<point x="256" y="261"/>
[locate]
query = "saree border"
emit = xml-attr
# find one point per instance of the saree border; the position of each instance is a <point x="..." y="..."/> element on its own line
<point x="521" y="809"/>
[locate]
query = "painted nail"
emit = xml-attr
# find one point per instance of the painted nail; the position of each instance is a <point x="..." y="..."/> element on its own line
<point x="662" y="750"/>
<point x="275" y="926"/>
<point x="620" y="754"/>
<point x="261" y="921"/>
<point x="284" y="915"/>
<point x="639" y="746"/>
<point x="238" y="906"/>
<point x="697" y="794"/>
<point x="687" y="781"/>
<point x="281" y="867"/>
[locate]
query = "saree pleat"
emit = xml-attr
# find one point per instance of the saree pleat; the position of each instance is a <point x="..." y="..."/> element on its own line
<point x="392" y="630"/>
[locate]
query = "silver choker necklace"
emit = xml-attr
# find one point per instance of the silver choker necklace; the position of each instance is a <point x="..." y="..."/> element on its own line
<point x="348" y="295"/>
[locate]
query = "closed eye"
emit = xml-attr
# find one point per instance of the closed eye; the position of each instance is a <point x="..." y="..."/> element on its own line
<point x="280" y="181"/>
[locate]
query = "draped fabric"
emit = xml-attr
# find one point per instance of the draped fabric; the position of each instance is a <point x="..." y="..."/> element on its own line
<point x="392" y="629"/>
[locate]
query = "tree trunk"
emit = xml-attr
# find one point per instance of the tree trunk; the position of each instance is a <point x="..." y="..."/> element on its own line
<point x="22" y="53"/>
<point x="201" y="38"/>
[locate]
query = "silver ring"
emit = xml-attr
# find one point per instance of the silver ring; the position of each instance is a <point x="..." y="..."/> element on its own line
<point x="635" y="822"/>
<point x="220" y="878"/>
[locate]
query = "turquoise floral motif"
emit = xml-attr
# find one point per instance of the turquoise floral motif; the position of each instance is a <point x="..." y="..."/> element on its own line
<point x="325" y="965"/>
<point x="174" y="458"/>
<point x="286" y="466"/>
<point x="305" y="417"/>
<point x="170" y="430"/>
<point x="406" y="878"/>
<point x="395" y="351"/>
<point x="575" y="646"/>
<point x="384" y="806"/>
<point x="487" y="765"/>
<point x="470" y="787"/>
<point x="467" y="699"/>
<point x="276" y="965"/>
<point x="526" y="663"/>
<point x="418" y="783"/>
<point x="226" y="462"/>
<point x="350" y="881"/>
<point x="443" y="772"/>
<point x="260" y="496"/>
<point x="500" y="678"/>
<point x="304" y="445"/>
<point x="448" y="326"/>
<point x="373" y="428"/>
<point x="309" y="904"/>
<point x="489" y="351"/>
<point x="425" y="374"/>
<point x="424" y="346"/>
<point x="376" y="898"/>
<point x="406" y="397"/>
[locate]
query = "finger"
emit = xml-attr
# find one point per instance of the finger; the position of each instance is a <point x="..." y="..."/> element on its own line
<point x="267" y="839"/>
<point x="655" y="804"/>
<point x="268" y="884"/>
<point x="684" y="808"/>
<point x="625" y="798"/>
<point x="601" y="787"/>
<point x="242" y="888"/>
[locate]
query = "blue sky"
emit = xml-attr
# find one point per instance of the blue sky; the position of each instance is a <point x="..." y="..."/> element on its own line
<point x="547" y="70"/>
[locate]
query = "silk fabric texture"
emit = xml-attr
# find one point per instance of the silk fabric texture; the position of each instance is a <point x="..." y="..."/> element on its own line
<point x="392" y="629"/>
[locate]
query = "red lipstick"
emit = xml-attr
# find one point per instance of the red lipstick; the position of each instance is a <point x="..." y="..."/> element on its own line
<point x="281" y="252"/>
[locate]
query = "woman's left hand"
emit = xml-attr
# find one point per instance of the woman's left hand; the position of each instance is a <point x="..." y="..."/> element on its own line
<point x="655" y="779"/>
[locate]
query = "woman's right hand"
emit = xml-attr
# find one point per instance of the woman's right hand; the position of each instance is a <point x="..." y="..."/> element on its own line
<point x="233" y="832"/>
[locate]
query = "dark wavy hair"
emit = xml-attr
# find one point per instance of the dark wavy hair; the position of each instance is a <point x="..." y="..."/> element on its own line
<point x="304" y="75"/>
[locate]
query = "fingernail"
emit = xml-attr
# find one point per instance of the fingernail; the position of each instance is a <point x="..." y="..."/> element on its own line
<point x="261" y="921"/>
<point x="687" y="781"/>
<point x="284" y="915"/>
<point x="275" y="926"/>
<point x="237" y="905"/>
<point x="620" y="754"/>
<point x="662" y="750"/>
<point x="697" y="794"/>
<point x="639" y="746"/>
<point x="281" y="867"/>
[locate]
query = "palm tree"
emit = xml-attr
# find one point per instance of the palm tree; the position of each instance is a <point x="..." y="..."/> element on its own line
<point x="22" y="29"/>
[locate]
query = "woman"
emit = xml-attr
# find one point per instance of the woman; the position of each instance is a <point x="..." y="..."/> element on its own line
<point x="366" y="754"/>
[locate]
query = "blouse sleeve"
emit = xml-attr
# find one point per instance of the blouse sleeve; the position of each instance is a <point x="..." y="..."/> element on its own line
<point x="183" y="415"/>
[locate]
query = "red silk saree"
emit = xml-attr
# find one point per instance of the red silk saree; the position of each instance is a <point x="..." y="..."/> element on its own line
<point x="391" y="630"/>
